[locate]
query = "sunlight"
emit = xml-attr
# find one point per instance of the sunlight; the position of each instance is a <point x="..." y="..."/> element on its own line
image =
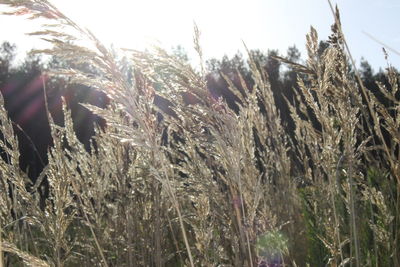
<point x="139" y="24"/>
<point x="133" y="24"/>
<point x="224" y="24"/>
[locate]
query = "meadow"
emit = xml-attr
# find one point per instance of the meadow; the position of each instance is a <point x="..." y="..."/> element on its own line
<point x="200" y="182"/>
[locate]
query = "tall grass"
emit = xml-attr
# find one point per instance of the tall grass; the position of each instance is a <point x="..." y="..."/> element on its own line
<point x="206" y="185"/>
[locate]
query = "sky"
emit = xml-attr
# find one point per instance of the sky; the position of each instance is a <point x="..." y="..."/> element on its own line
<point x="226" y="24"/>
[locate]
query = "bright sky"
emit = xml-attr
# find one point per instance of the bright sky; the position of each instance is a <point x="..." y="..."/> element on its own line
<point x="262" y="24"/>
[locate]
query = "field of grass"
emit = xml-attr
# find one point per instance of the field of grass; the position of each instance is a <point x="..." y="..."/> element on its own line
<point x="206" y="185"/>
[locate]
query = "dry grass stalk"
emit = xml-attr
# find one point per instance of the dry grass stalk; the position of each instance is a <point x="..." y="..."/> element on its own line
<point x="1" y="247"/>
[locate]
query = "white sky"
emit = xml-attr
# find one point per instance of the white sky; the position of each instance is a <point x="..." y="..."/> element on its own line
<point x="263" y="24"/>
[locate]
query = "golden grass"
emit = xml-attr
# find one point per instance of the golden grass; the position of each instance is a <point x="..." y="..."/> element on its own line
<point x="201" y="199"/>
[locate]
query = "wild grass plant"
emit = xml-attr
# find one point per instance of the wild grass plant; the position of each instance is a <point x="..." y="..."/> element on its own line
<point x="206" y="185"/>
